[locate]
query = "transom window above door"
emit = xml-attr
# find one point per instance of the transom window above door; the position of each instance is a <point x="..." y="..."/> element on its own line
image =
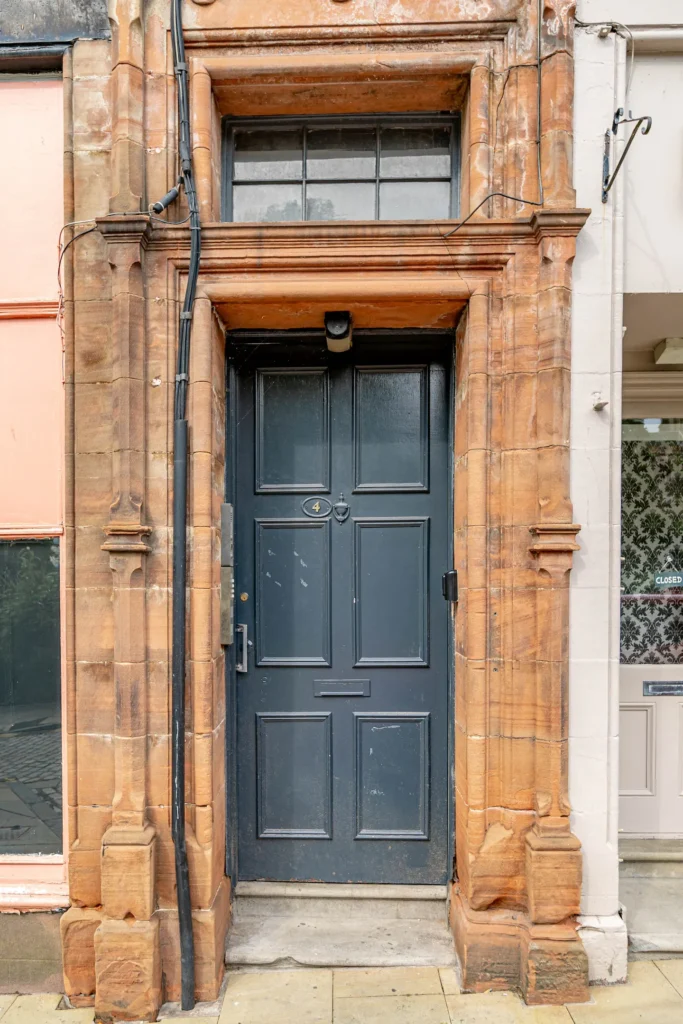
<point x="380" y="168"/>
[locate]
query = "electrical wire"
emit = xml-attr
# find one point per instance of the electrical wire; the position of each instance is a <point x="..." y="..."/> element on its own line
<point x="504" y="195"/>
<point x="180" y="457"/>
<point x="615" y="26"/>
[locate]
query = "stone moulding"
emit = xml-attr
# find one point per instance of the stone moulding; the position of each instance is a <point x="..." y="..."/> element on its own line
<point x="503" y="283"/>
<point x="29" y="309"/>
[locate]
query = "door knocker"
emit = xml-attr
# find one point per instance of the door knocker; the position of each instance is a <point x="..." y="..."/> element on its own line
<point x="341" y="509"/>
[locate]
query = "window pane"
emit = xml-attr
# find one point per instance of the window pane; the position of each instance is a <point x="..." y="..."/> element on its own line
<point x="352" y="201"/>
<point x="415" y="153"/>
<point x="30" y="698"/>
<point x="266" y="202"/>
<point x="341" y="153"/>
<point x="651" y="542"/>
<point x="268" y="154"/>
<point x="414" y="200"/>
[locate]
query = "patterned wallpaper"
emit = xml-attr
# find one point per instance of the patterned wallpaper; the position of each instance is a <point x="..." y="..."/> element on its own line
<point x="652" y="530"/>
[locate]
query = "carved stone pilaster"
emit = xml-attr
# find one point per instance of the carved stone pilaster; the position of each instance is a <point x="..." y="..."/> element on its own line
<point x="553" y="854"/>
<point x="127" y="86"/>
<point x="557" y="94"/>
<point x="126" y="531"/>
<point x="126" y="239"/>
<point x="128" y="847"/>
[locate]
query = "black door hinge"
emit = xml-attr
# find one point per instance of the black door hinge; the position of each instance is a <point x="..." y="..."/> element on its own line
<point x="449" y="585"/>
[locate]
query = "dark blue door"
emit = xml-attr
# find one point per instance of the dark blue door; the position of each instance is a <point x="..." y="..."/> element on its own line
<point x="341" y="541"/>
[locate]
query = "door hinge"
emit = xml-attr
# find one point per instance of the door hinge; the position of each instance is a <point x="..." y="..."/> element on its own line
<point x="449" y="585"/>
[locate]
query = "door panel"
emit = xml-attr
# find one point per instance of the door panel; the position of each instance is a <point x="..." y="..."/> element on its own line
<point x="391" y="429"/>
<point x="292" y="592"/>
<point x="392" y="776"/>
<point x="651" y="750"/>
<point x="293" y="765"/>
<point x="292" y="430"/>
<point x="391" y="596"/>
<point x="341" y="540"/>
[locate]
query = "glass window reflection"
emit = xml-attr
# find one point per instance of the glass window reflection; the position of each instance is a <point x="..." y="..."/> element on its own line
<point x="651" y="541"/>
<point x="30" y="698"/>
<point x="376" y="169"/>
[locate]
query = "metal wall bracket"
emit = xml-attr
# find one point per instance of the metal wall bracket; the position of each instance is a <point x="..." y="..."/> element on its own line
<point x="607" y="179"/>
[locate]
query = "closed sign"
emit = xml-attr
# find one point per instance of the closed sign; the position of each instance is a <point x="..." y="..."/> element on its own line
<point x="670" y="578"/>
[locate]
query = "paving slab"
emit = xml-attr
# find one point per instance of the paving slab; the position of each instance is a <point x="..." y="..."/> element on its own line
<point x="673" y="972"/>
<point x="647" y="998"/>
<point x="502" y="1008"/>
<point x="450" y="980"/>
<point x="279" y="997"/>
<point x="5" y="1003"/>
<point x="391" y="1010"/>
<point x="387" y="981"/>
<point x="44" y="1009"/>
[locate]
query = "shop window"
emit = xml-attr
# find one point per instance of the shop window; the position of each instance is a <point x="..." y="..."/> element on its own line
<point x="652" y="542"/>
<point x="393" y="168"/>
<point x="30" y="698"/>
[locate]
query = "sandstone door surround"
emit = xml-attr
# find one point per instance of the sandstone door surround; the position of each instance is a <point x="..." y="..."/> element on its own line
<point x="504" y="281"/>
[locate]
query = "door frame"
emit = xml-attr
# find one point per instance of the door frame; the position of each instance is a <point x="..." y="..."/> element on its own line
<point x="251" y="337"/>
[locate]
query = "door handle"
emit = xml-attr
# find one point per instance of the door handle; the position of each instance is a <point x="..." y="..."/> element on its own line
<point x="242" y="664"/>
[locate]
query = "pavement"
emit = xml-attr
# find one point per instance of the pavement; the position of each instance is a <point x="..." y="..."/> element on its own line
<point x="406" y="995"/>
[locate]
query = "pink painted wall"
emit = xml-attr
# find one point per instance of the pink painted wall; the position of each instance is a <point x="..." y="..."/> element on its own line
<point x="31" y="424"/>
<point x="32" y="186"/>
<point x="31" y="389"/>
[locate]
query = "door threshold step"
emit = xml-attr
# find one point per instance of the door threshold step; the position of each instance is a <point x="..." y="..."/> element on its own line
<point x="339" y="891"/>
<point x="651" y="858"/>
<point x="291" y="942"/>
<point x="651" y="849"/>
<point x="315" y="900"/>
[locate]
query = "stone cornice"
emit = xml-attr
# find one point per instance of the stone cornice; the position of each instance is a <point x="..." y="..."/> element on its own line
<point x="445" y="31"/>
<point x="558" y="222"/>
<point x="126" y="537"/>
<point x="478" y="235"/>
<point x="554" y="548"/>
<point x="133" y="227"/>
<point x="554" y="537"/>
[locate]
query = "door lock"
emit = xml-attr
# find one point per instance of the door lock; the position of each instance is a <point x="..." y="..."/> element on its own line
<point x="449" y="585"/>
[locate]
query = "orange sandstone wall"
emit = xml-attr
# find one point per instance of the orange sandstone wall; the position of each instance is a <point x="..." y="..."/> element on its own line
<point x="503" y="281"/>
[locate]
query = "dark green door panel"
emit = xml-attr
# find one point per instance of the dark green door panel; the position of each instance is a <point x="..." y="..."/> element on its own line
<point x="341" y="541"/>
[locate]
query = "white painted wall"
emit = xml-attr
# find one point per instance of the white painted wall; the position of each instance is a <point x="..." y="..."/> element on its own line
<point x="631" y="12"/>
<point x="600" y="88"/>
<point x="654" y="177"/>
<point x="596" y="366"/>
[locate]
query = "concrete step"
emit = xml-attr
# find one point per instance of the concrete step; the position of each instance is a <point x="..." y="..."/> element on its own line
<point x="652" y="912"/>
<point x="285" y="925"/>
<point x="651" y="858"/>
<point x="318" y="900"/>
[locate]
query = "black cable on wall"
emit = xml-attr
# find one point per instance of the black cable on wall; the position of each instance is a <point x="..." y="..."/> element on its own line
<point x="180" y="473"/>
